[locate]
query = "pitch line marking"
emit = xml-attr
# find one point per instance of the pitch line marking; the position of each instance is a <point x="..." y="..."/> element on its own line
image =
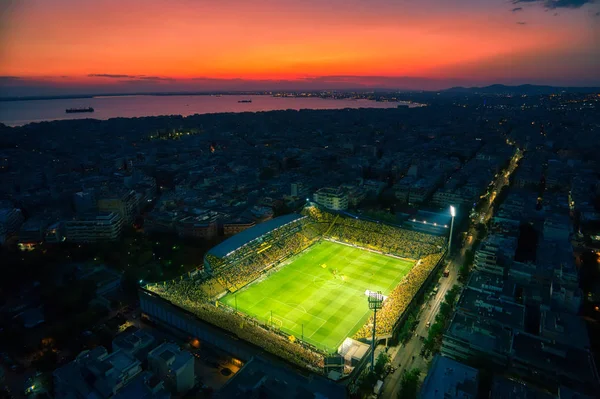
<point x="255" y="304"/>
<point x="359" y="320"/>
<point x="279" y="321"/>
<point x="318" y="328"/>
<point x="298" y="306"/>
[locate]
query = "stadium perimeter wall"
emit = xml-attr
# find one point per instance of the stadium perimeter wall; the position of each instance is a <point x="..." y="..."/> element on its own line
<point x="163" y="312"/>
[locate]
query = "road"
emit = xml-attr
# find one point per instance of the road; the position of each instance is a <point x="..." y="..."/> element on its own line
<point x="409" y="356"/>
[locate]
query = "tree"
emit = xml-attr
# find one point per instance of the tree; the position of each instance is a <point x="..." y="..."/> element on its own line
<point x="469" y="257"/>
<point x="481" y="229"/>
<point x="366" y="381"/>
<point x="463" y="272"/>
<point x="382" y="359"/>
<point x="409" y="385"/>
<point x="408" y="326"/>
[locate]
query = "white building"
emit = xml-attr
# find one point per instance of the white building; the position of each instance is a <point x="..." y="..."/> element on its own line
<point x="172" y="364"/>
<point x="95" y="227"/>
<point x="133" y="342"/>
<point x="332" y="198"/>
<point x="95" y="374"/>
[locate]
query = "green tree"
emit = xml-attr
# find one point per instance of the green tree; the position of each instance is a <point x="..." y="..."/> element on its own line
<point x="382" y="359"/>
<point x="463" y="272"/>
<point x="408" y="326"/>
<point x="366" y="382"/>
<point x="409" y="384"/>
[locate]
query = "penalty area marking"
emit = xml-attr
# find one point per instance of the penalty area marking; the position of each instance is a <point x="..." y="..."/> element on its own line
<point x="278" y="321"/>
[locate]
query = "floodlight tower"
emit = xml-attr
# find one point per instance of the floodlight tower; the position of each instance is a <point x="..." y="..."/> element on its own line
<point x="375" y="303"/>
<point x="453" y="214"/>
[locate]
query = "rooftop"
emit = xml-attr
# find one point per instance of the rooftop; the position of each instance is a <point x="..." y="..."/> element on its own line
<point x="480" y="333"/>
<point x="248" y="235"/>
<point x="567" y="328"/>
<point x="554" y="357"/>
<point x="259" y="378"/>
<point x="492" y="307"/>
<point x="506" y="388"/>
<point x="133" y="340"/>
<point x="448" y="378"/>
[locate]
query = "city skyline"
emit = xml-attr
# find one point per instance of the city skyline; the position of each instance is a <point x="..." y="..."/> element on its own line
<point x="132" y="46"/>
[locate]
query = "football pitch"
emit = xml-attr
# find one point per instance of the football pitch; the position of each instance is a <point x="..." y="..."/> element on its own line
<point x="320" y="293"/>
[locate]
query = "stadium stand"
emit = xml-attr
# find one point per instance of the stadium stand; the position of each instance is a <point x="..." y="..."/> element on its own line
<point x="241" y="260"/>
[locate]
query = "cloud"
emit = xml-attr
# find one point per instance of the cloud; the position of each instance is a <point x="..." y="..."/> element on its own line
<point x="517" y="9"/>
<point x="143" y="77"/>
<point x="109" y="75"/>
<point x="8" y="79"/>
<point x="597" y="14"/>
<point x="130" y="77"/>
<point x="554" y="4"/>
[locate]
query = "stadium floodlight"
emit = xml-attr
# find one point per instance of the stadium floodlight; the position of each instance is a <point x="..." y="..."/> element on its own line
<point x="453" y="214"/>
<point x="375" y="303"/>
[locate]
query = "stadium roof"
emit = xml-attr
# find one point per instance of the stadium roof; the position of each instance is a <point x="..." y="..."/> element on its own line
<point x="244" y="237"/>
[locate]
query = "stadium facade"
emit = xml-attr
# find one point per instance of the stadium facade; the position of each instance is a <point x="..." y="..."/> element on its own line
<point x="265" y="251"/>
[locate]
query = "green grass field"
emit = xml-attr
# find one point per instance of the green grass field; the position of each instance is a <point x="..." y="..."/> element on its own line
<point x="304" y="293"/>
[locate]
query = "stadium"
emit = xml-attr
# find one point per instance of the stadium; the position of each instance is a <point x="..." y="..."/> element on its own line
<point x="297" y="285"/>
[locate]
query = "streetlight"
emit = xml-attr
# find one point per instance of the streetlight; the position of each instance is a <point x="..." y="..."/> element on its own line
<point x="375" y="303"/>
<point x="453" y="214"/>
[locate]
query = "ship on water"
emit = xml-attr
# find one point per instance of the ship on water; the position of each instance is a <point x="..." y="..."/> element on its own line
<point x="78" y="110"/>
<point x="244" y="101"/>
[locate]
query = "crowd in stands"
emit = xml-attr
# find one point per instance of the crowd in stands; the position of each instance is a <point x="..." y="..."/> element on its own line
<point x="376" y="236"/>
<point x="386" y="239"/>
<point x="399" y="299"/>
<point x="188" y="294"/>
<point x="318" y="215"/>
<point x="253" y="259"/>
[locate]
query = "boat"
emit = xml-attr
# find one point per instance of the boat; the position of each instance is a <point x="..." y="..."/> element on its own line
<point x="244" y="101"/>
<point x="77" y="110"/>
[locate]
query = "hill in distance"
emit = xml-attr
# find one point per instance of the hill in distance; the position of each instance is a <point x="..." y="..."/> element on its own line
<point x="499" y="89"/>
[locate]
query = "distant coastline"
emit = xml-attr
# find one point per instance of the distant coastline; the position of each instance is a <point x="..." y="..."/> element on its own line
<point x="17" y="113"/>
<point x="364" y="93"/>
<point x="290" y="93"/>
<point x="109" y="95"/>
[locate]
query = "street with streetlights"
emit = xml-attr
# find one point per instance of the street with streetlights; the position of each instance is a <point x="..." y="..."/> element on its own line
<point x="407" y="356"/>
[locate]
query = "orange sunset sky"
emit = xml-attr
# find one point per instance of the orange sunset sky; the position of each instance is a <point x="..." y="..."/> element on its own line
<point x="68" y="46"/>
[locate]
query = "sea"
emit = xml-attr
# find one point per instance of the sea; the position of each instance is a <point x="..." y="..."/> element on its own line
<point x="18" y="113"/>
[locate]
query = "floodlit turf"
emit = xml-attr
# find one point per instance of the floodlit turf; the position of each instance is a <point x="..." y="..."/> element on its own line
<point x="304" y="293"/>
